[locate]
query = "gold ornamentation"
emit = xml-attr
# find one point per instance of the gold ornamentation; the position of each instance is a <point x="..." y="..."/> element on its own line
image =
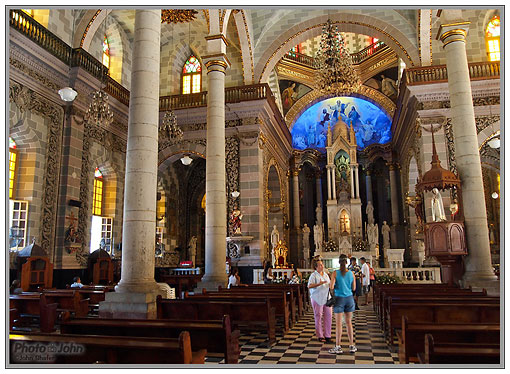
<point x="219" y="36"/>
<point x="178" y="15"/>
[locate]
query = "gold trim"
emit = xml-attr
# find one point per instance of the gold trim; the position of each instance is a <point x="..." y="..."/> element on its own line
<point x="223" y="55"/>
<point x="456" y="24"/>
<point x="218" y="36"/>
<point x="88" y="27"/>
<point x="208" y="64"/>
<point x="211" y="70"/>
<point x="321" y="25"/>
<point x="454" y="40"/>
<point x="449" y="33"/>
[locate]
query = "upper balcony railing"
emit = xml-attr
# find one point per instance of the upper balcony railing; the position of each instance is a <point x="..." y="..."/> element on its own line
<point x="439" y="74"/>
<point x="357" y="57"/>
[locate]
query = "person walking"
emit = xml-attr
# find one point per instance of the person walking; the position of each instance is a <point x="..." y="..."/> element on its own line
<point x="344" y="285"/>
<point x="318" y="284"/>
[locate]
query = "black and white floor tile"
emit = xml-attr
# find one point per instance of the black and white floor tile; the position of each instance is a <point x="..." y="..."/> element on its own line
<point x="300" y="346"/>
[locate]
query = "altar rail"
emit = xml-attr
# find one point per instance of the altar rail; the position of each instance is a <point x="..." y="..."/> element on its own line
<point x="258" y="274"/>
<point x="413" y="275"/>
<point x="439" y="74"/>
<point x="184" y="271"/>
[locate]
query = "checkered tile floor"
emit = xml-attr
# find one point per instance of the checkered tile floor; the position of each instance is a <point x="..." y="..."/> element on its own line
<point x="300" y="346"/>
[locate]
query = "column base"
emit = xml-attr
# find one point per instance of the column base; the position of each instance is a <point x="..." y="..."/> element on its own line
<point x="128" y="305"/>
<point x="211" y="283"/>
<point x="478" y="281"/>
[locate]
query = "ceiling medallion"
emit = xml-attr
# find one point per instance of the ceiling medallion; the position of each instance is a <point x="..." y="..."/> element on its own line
<point x="178" y="15"/>
<point x="334" y="71"/>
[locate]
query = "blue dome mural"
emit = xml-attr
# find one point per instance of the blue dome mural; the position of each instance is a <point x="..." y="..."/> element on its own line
<point x="371" y="124"/>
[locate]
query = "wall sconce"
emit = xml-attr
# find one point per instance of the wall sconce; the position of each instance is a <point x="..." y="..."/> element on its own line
<point x="235" y="194"/>
<point x="67" y="94"/>
<point x="186" y="160"/>
<point x="495" y="195"/>
<point x="495" y="142"/>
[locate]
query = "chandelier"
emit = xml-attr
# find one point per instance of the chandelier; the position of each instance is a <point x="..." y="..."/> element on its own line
<point x="169" y="128"/>
<point x="334" y="71"/>
<point x="177" y="15"/>
<point x="99" y="111"/>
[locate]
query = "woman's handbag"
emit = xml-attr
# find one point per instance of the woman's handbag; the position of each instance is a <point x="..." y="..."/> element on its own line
<point x="331" y="301"/>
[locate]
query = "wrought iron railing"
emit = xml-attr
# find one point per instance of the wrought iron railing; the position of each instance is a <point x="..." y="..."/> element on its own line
<point x="438" y="73"/>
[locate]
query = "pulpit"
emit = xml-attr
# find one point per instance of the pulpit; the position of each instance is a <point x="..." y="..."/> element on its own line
<point x="35" y="268"/>
<point x="101" y="267"/>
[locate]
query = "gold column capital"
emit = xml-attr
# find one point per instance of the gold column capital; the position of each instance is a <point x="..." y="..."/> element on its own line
<point x="216" y="62"/>
<point x="453" y="32"/>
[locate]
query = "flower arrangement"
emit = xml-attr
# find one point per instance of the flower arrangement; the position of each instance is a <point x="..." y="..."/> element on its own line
<point x="330" y="246"/>
<point x="358" y="244"/>
<point x="387" y="279"/>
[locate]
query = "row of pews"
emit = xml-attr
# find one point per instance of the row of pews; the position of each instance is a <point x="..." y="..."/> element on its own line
<point x="184" y="332"/>
<point x="439" y="324"/>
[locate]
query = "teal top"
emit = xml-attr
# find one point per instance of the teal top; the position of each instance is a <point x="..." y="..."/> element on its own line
<point x="343" y="284"/>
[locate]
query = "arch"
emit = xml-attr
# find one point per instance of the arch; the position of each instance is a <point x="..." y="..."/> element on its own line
<point x="344" y="222"/>
<point x="179" y="53"/>
<point x="191" y="75"/>
<point x="487" y="133"/>
<point x="116" y="50"/>
<point x="89" y="27"/>
<point x="347" y="22"/>
<point x="246" y="42"/>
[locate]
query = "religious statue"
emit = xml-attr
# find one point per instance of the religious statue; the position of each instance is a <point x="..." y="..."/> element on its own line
<point x="373" y="237"/>
<point x="192" y="245"/>
<point x="318" y="213"/>
<point x="454" y="208"/>
<point x="306" y="243"/>
<point x="417" y="203"/>
<point x="275" y="238"/>
<point x="235" y="221"/>
<point x="370" y="212"/>
<point x="437" y="207"/>
<point x="318" y="237"/>
<point x="385" y="230"/>
<point x="389" y="87"/>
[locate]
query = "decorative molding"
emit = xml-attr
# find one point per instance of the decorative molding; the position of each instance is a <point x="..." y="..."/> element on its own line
<point x="23" y="68"/>
<point x="444" y="104"/>
<point x="232" y="166"/>
<point x="483" y="122"/>
<point x="29" y="100"/>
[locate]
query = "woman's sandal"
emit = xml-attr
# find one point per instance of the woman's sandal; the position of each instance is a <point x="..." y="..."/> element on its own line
<point x="322" y="340"/>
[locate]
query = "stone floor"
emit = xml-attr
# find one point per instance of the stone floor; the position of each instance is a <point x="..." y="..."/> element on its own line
<point x="300" y="346"/>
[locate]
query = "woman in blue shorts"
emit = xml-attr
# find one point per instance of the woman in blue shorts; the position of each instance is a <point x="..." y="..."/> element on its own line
<point x="343" y="284"/>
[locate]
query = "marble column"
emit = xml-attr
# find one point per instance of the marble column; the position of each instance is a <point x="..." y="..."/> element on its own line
<point x="135" y="295"/>
<point x="394" y="195"/>
<point x="478" y="268"/>
<point x="295" y="186"/>
<point x="318" y="186"/>
<point x="215" y="190"/>
<point x="356" y="180"/>
<point x="352" y="182"/>
<point x="330" y="195"/>
<point x="369" y="186"/>
<point x="333" y="182"/>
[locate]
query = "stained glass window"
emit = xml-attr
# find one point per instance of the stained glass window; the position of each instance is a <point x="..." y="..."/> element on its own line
<point x="106" y="52"/>
<point x="191" y="76"/>
<point x="295" y="50"/>
<point x="97" y="202"/>
<point x="492" y="33"/>
<point x="13" y="158"/>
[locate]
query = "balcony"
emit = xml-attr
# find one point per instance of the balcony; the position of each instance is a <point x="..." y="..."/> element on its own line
<point x="439" y="74"/>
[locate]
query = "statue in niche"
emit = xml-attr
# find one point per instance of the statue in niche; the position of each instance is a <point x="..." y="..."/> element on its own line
<point x="389" y="87"/>
<point x="437" y="207"/>
<point x="192" y="245"/>
<point x="318" y="236"/>
<point x="318" y="213"/>
<point x="370" y="212"/>
<point x="385" y="230"/>
<point x="306" y="243"/>
<point x="275" y="238"/>
<point x="373" y="237"/>
<point x="235" y="221"/>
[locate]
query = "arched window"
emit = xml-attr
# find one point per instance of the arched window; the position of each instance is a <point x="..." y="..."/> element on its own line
<point x="106" y="52"/>
<point x="294" y="51"/>
<point x="191" y="76"/>
<point x="97" y="202"/>
<point x="492" y="39"/>
<point x="13" y="163"/>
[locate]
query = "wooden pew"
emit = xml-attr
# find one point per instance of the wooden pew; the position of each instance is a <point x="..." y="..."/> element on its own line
<point x="432" y="297"/>
<point x="282" y="300"/>
<point x="214" y="336"/>
<point x="29" y="306"/>
<point x="67" y="300"/>
<point x="411" y="337"/>
<point x="297" y="290"/>
<point x="181" y="283"/>
<point x="458" y="353"/>
<point x="440" y="312"/>
<point x="88" y="349"/>
<point x="250" y="314"/>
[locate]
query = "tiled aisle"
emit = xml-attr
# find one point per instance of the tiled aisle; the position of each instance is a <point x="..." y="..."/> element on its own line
<point x="300" y="346"/>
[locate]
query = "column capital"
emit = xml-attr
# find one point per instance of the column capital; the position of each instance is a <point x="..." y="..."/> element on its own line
<point x="216" y="62"/>
<point x="368" y="172"/>
<point x="295" y="172"/>
<point x="453" y="32"/>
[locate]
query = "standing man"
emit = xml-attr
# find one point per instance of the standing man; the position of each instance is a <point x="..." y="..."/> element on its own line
<point x="356" y="270"/>
<point x="365" y="273"/>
